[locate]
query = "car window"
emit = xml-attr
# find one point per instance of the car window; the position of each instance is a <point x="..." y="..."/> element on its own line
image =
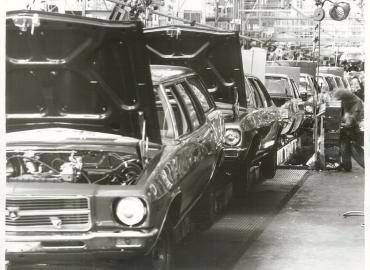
<point x="315" y="84"/>
<point x="249" y="94"/>
<point x="199" y="91"/>
<point x="171" y="116"/>
<point x="264" y="94"/>
<point x="294" y="87"/>
<point x="256" y="95"/>
<point x="166" y="127"/>
<point x="304" y="84"/>
<point x="321" y="81"/>
<point x="189" y="104"/>
<point x="278" y="86"/>
<point x="339" y="82"/>
<point x="331" y="83"/>
<point x="345" y="83"/>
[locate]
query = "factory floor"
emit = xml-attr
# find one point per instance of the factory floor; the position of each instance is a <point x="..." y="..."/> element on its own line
<point x="292" y="222"/>
<point x="310" y="232"/>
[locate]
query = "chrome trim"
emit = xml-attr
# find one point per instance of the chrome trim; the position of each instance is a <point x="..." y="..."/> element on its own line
<point x="26" y="213"/>
<point x="83" y="227"/>
<point x="64" y="247"/>
<point x="81" y="237"/>
<point x="33" y="197"/>
<point x="130" y="246"/>
<point x="238" y="149"/>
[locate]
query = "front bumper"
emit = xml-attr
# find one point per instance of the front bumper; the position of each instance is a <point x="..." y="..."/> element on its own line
<point x="234" y="153"/>
<point x="20" y="245"/>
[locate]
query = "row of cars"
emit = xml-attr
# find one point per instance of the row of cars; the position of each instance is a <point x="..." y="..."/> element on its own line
<point x="115" y="135"/>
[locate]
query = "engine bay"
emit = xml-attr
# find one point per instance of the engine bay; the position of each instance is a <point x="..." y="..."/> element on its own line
<point x="89" y="167"/>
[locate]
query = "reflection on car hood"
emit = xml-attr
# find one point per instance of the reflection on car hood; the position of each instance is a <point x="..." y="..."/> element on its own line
<point x="76" y="72"/>
<point x="214" y="55"/>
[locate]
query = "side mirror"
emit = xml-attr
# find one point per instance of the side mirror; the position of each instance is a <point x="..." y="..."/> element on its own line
<point x="304" y="96"/>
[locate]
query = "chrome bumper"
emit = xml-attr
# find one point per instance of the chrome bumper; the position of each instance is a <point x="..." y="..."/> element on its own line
<point x="234" y="153"/>
<point x="79" y="241"/>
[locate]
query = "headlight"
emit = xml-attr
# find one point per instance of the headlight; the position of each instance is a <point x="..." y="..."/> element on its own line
<point x="308" y="108"/>
<point x="232" y="137"/>
<point x="131" y="211"/>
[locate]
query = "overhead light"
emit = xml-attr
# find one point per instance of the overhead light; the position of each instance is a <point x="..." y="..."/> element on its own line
<point x="339" y="11"/>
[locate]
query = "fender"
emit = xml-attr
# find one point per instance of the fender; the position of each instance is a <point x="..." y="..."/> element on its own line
<point x="174" y="196"/>
<point x="248" y="140"/>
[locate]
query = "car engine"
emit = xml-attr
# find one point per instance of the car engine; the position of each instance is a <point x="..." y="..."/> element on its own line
<point x="91" y="167"/>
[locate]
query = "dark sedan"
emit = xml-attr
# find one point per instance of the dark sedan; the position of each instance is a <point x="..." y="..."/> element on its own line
<point x="285" y="95"/>
<point x="106" y="157"/>
<point x="251" y="131"/>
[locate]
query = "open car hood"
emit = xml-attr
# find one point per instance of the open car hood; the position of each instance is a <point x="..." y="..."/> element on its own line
<point x="77" y="72"/>
<point x="214" y="55"/>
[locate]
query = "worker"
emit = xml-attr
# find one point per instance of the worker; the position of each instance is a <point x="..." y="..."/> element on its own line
<point x="351" y="127"/>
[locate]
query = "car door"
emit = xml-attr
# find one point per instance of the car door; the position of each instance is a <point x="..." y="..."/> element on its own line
<point x="200" y="146"/>
<point x="259" y="112"/>
<point x="213" y="116"/>
<point x="270" y="117"/>
<point x="298" y="105"/>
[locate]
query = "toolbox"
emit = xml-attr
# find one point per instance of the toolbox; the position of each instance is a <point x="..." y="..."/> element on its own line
<point x="333" y="115"/>
<point x="329" y="140"/>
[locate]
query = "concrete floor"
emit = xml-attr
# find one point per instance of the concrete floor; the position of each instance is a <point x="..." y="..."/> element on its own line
<point x="310" y="232"/>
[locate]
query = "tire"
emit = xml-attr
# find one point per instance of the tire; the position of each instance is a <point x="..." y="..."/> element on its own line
<point x="242" y="181"/>
<point x="161" y="256"/>
<point x="205" y="212"/>
<point x="268" y="165"/>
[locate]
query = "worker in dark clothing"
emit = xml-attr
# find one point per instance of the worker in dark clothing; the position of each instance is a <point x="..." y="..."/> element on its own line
<point x="352" y="127"/>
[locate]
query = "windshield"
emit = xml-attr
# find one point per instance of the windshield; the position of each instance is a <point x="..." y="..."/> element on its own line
<point x="304" y="85"/>
<point x="331" y="83"/>
<point x="345" y="82"/>
<point x="339" y="82"/>
<point x="277" y="86"/>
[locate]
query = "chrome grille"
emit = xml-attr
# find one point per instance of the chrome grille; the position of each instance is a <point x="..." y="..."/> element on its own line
<point x="47" y="213"/>
<point x="48" y="204"/>
<point x="45" y="220"/>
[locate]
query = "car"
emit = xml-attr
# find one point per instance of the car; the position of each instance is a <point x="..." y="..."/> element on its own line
<point x="284" y="93"/>
<point x="251" y="133"/>
<point x="106" y="156"/>
<point x="339" y="81"/>
<point x="309" y="82"/>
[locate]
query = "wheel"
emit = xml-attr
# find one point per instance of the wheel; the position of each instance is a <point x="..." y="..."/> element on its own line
<point x="160" y="258"/>
<point x="205" y="212"/>
<point x="242" y="181"/>
<point x="268" y="165"/>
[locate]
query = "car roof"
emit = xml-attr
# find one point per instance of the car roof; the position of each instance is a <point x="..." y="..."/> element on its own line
<point x="162" y="73"/>
<point x="277" y="75"/>
<point x="250" y="75"/>
<point x="327" y="75"/>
